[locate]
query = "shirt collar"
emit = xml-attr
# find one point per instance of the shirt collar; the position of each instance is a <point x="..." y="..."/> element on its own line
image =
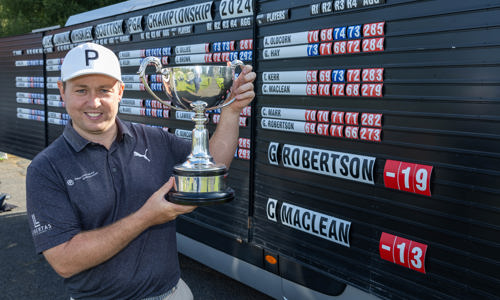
<point x="78" y="142"/>
<point x="123" y="130"/>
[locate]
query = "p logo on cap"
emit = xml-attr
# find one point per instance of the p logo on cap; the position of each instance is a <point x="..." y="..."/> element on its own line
<point x="90" y="58"/>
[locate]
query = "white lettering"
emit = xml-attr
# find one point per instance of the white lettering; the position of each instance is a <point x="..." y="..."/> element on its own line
<point x="193" y="14"/>
<point x="370" y="2"/>
<point x="277" y="16"/>
<point x="184" y="115"/>
<point x="109" y="29"/>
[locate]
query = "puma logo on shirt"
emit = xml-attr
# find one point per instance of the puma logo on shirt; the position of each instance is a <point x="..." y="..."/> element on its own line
<point x="137" y="154"/>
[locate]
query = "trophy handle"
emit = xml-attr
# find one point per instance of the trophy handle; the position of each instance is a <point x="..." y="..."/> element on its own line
<point x="234" y="64"/>
<point x="152" y="60"/>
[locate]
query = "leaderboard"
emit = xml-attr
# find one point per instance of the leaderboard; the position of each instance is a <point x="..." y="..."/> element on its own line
<point x="324" y="85"/>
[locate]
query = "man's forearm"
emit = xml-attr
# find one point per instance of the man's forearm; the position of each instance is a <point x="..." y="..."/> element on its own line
<point x="91" y="248"/>
<point x="225" y="138"/>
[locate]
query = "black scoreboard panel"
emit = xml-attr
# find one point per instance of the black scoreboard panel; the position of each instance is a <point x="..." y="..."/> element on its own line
<point x="376" y="146"/>
<point x="132" y="37"/>
<point x="368" y="158"/>
<point x="56" y="45"/>
<point x="22" y="112"/>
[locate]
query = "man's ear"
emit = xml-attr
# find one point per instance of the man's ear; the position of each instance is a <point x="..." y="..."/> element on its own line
<point x="122" y="88"/>
<point x="61" y="88"/>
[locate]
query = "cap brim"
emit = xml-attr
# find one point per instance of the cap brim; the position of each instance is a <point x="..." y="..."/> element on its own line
<point x="88" y="72"/>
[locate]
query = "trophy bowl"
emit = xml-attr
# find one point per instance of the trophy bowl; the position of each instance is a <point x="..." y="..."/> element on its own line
<point x="196" y="88"/>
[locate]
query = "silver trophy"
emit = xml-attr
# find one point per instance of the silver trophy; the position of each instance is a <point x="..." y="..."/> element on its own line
<point x="197" y="88"/>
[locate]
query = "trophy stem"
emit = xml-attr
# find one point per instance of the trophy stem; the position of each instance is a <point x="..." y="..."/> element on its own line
<point x="200" y="157"/>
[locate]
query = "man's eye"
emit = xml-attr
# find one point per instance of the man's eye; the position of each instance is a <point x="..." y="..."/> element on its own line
<point x="105" y="91"/>
<point x="82" y="91"/>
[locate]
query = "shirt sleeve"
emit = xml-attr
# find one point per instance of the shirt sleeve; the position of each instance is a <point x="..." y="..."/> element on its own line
<point x="51" y="216"/>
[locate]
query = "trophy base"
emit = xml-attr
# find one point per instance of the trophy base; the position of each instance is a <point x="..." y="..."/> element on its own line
<point x="200" y="187"/>
<point x="200" y="199"/>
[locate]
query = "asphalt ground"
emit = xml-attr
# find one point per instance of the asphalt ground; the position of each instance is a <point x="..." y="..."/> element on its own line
<point x="27" y="275"/>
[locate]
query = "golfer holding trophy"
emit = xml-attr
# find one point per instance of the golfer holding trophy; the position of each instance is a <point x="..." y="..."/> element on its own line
<point x="197" y="88"/>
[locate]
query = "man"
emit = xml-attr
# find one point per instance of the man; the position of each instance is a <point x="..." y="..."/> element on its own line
<point x="95" y="196"/>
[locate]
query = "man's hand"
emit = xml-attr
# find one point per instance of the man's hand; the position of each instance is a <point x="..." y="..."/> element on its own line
<point x="159" y="211"/>
<point x="242" y="90"/>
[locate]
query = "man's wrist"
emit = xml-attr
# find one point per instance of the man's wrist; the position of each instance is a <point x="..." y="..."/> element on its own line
<point x="142" y="219"/>
<point x="230" y="112"/>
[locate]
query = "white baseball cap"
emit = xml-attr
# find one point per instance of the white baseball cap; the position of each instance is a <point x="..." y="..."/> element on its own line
<point x="90" y="58"/>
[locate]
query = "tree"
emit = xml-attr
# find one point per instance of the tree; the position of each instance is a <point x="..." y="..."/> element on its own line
<point x="22" y="16"/>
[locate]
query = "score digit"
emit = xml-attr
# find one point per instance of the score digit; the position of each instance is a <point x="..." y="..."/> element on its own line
<point x="372" y="120"/>
<point x="373" y="29"/>
<point x="408" y="177"/>
<point x="404" y="252"/>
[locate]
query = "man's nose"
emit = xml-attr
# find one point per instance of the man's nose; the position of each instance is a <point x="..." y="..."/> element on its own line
<point x="95" y="100"/>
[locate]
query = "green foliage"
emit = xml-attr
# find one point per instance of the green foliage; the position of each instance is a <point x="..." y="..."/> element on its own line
<point x="22" y="16"/>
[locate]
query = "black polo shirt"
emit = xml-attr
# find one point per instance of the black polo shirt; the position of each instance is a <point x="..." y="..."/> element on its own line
<point x="76" y="185"/>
